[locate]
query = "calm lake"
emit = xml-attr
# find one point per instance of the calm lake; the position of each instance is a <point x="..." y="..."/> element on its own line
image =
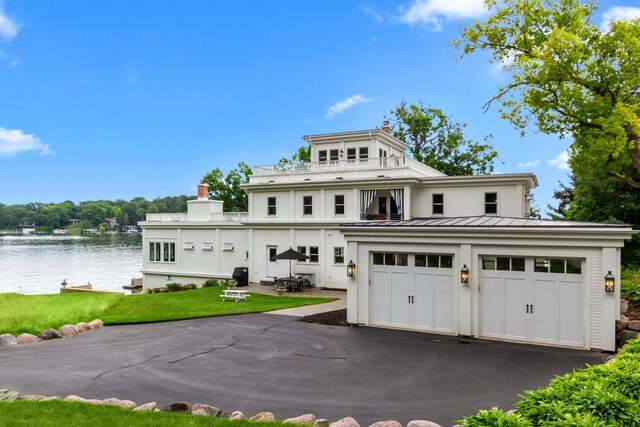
<point x="37" y="264"/>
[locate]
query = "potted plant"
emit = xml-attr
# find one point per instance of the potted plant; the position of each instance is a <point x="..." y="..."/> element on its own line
<point x="281" y="289"/>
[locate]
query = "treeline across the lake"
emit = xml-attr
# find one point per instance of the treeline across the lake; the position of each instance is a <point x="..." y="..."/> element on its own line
<point x="103" y="214"/>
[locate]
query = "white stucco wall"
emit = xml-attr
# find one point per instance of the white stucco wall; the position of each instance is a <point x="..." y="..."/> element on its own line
<point x="469" y="201"/>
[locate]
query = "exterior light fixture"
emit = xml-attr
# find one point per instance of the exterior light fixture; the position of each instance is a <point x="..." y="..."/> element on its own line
<point x="464" y="274"/>
<point x="609" y="282"/>
<point x="351" y="269"/>
<point x="169" y="278"/>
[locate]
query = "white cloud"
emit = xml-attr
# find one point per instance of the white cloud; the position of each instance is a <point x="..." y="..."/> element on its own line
<point x="369" y="10"/>
<point x="618" y="13"/>
<point x="341" y="106"/>
<point x="13" y="142"/>
<point x="8" y="28"/>
<point x="531" y="164"/>
<point x="433" y="12"/>
<point x="561" y="161"/>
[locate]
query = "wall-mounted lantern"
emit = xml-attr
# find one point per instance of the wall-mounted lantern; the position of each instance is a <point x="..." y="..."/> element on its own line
<point x="464" y="274"/>
<point x="609" y="282"/>
<point x="351" y="269"/>
<point x="169" y="278"/>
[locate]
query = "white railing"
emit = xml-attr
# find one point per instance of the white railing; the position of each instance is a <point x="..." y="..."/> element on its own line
<point x="232" y="216"/>
<point x="183" y="217"/>
<point x="166" y="217"/>
<point x="391" y="162"/>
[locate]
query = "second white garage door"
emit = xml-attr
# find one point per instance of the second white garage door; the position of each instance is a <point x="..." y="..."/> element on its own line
<point x="532" y="299"/>
<point x="413" y="291"/>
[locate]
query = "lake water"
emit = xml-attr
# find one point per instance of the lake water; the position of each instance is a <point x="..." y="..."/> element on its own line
<point x="38" y="264"/>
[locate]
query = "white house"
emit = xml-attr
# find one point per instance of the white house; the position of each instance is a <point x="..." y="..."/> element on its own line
<point x="412" y="233"/>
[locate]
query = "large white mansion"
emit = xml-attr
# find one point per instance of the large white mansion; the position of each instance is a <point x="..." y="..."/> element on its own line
<point x="415" y="236"/>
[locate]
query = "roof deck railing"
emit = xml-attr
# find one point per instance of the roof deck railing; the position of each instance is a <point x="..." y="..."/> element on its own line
<point x="391" y="162"/>
<point x="183" y="217"/>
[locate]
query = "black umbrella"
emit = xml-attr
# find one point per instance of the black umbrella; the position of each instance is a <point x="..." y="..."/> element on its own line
<point x="291" y="255"/>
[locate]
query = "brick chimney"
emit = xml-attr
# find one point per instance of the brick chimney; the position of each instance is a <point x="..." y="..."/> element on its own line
<point x="203" y="191"/>
<point x="385" y="127"/>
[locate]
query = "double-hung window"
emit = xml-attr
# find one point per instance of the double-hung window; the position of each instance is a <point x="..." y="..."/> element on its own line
<point x="314" y="254"/>
<point x="351" y="153"/>
<point x="339" y="204"/>
<point x="307" y="205"/>
<point x="438" y="204"/>
<point x="162" y="251"/>
<point x="490" y="203"/>
<point x="271" y="205"/>
<point x="338" y="255"/>
<point x="334" y="155"/>
<point x="364" y="152"/>
<point x="154" y="251"/>
<point x="322" y="155"/>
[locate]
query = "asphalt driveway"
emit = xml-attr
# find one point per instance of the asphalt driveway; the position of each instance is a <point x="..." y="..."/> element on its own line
<point x="270" y="362"/>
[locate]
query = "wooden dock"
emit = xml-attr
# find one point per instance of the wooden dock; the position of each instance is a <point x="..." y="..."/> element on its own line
<point x="66" y="289"/>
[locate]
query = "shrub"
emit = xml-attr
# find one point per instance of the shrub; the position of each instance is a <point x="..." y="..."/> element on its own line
<point x="630" y="284"/>
<point x="495" y="417"/>
<point x="177" y="287"/>
<point x="210" y="283"/>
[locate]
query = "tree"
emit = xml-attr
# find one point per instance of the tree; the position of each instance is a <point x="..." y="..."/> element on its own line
<point x="568" y="77"/>
<point x="227" y="188"/>
<point x="93" y="212"/>
<point x="436" y="140"/>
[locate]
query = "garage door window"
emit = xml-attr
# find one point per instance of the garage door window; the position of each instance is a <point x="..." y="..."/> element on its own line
<point x="558" y="265"/>
<point x="434" y="261"/>
<point x="388" y="258"/>
<point x="503" y="263"/>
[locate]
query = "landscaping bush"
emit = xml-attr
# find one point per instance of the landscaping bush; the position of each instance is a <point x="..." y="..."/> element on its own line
<point x="630" y="284"/>
<point x="210" y="283"/>
<point x="172" y="287"/>
<point x="601" y="395"/>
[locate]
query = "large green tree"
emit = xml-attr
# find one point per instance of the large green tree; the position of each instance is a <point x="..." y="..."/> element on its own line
<point x="227" y="187"/>
<point x="437" y="140"/>
<point x="567" y="76"/>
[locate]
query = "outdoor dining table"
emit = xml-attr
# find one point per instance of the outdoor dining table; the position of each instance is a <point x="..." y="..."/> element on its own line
<point x="293" y="284"/>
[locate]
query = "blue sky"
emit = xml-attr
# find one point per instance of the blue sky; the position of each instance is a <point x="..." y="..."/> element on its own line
<point x="121" y="99"/>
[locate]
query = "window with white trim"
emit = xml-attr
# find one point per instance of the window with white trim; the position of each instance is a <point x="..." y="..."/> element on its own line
<point x="338" y="255"/>
<point x="322" y="155"/>
<point x="334" y="155"/>
<point x="162" y="251"/>
<point x="438" y="204"/>
<point x="307" y="205"/>
<point x="503" y="263"/>
<point x="491" y="203"/>
<point x="338" y="200"/>
<point x="351" y="154"/>
<point x="314" y="254"/>
<point x="557" y="265"/>
<point x="271" y="206"/>
<point x="363" y="152"/>
<point x="303" y="251"/>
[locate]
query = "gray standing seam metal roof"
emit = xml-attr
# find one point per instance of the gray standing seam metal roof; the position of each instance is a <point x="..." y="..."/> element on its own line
<point x="484" y="221"/>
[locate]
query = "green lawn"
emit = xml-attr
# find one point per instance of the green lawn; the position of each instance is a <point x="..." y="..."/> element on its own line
<point x="34" y="313"/>
<point x="64" y="414"/>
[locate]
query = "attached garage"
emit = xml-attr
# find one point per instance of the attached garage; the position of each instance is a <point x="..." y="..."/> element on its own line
<point x="530" y="281"/>
<point x="532" y="300"/>
<point x="413" y="291"/>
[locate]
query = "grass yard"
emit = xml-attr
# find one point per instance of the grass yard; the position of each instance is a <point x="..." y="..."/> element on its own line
<point x="34" y="313"/>
<point x="204" y="302"/>
<point x="64" y="414"/>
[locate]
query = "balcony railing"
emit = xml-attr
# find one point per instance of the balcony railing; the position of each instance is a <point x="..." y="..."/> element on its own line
<point x="183" y="217"/>
<point x="381" y="217"/>
<point x="390" y="162"/>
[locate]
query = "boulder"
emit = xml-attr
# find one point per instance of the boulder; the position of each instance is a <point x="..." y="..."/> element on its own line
<point x="302" y="419"/>
<point x="388" y="423"/>
<point x="32" y="397"/>
<point x="345" y="422"/>
<point x="626" y="335"/>
<point x="180" y="407"/>
<point x="50" y="398"/>
<point x="237" y="415"/>
<point x="83" y="327"/>
<point x="7" y="339"/>
<point x="147" y="407"/>
<point x="634" y="325"/>
<point x="127" y="404"/>
<point x="8" y="395"/>
<point x="199" y="412"/>
<point x="209" y="410"/>
<point x="422" y="423"/>
<point x="95" y="401"/>
<point x="68" y="330"/>
<point x="263" y="416"/>
<point x="112" y="401"/>
<point x="27" y="339"/>
<point x="321" y="422"/>
<point x="96" y="324"/>
<point x="50" y="334"/>
<point x="621" y="325"/>
<point x="74" y="398"/>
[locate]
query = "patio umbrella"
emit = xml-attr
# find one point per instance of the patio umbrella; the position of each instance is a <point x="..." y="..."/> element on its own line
<point x="291" y="255"/>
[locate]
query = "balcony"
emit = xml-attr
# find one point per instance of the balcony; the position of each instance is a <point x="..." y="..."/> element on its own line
<point x="221" y="217"/>
<point x="343" y="165"/>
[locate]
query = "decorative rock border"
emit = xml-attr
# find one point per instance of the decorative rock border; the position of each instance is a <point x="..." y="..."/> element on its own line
<point x="65" y="331"/>
<point x="201" y="409"/>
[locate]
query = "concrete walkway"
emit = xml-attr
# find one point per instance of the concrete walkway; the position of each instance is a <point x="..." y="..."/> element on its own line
<point x="339" y="304"/>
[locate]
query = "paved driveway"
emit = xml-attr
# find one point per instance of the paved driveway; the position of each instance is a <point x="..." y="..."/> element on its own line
<point x="271" y="362"/>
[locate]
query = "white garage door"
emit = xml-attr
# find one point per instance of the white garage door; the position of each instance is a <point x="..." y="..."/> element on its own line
<point x="532" y="299"/>
<point x="413" y="291"/>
